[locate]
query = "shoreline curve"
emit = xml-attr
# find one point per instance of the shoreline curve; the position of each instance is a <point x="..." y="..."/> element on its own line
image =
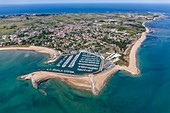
<point x="133" y="67"/>
<point x="44" y="50"/>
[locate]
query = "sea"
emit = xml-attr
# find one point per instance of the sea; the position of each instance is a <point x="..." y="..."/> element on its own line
<point x="147" y="93"/>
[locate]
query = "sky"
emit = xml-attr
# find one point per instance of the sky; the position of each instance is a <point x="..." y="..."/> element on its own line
<point x="80" y="1"/>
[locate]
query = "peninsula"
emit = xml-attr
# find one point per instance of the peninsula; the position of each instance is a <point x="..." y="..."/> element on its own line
<point x="86" y="48"/>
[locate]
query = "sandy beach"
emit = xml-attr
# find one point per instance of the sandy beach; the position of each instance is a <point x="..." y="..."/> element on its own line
<point x="39" y="49"/>
<point x="133" y="65"/>
<point x="45" y="50"/>
<point x="79" y="82"/>
<point x="133" y="68"/>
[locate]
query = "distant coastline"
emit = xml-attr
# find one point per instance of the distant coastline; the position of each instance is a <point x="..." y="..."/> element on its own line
<point x="14" y="9"/>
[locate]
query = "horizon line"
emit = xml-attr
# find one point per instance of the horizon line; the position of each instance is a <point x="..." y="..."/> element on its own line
<point x="89" y="3"/>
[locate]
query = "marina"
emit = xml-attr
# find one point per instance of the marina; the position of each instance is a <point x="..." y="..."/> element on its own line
<point x="80" y="63"/>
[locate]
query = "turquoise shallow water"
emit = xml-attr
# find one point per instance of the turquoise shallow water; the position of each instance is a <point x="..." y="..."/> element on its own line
<point x="148" y="93"/>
